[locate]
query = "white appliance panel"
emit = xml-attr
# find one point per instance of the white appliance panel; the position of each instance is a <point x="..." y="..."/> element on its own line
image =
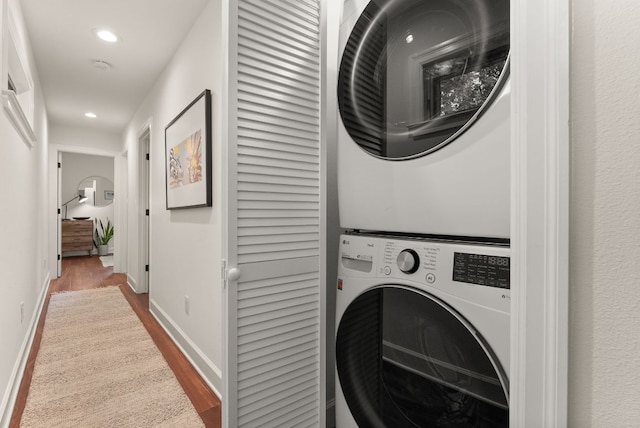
<point x="471" y="280"/>
<point x="461" y="189"/>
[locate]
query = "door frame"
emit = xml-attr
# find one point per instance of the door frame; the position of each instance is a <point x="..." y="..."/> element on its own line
<point x="540" y="34"/>
<point x="55" y="222"/>
<point x="143" y="140"/>
<point x="540" y="161"/>
<point x="229" y="12"/>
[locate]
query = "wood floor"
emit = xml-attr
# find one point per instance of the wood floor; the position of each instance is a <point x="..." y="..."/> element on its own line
<point x="85" y="272"/>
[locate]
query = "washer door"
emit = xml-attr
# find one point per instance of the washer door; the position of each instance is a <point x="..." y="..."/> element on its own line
<point x="415" y="74"/>
<point x="406" y="359"/>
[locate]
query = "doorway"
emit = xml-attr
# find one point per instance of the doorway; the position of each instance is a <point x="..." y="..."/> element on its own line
<point x="85" y="204"/>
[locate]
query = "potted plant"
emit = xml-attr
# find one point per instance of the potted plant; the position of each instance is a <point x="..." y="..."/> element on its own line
<point x="103" y="236"/>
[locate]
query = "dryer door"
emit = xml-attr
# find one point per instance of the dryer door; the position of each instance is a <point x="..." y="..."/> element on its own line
<point x="406" y="359"/>
<point x="415" y="74"/>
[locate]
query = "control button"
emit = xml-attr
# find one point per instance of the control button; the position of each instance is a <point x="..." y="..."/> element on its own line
<point x="408" y="261"/>
<point x="431" y="278"/>
<point x="387" y="270"/>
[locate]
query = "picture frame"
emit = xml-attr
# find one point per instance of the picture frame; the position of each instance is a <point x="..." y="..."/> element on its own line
<point x="108" y="195"/>
<point x="188" y="156"/>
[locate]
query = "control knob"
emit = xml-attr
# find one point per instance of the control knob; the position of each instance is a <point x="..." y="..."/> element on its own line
<point x="408" y="261"/>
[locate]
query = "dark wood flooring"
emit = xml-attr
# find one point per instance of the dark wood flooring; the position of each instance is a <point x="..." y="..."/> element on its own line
<point x="79" y="273"/>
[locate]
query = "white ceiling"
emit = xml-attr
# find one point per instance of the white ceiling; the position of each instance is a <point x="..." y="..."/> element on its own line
<point x="65" y="47"/>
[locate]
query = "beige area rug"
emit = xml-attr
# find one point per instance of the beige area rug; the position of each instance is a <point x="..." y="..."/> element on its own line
<point x="98" y="367"/>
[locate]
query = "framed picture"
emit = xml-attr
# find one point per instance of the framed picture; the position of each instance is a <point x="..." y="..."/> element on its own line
<point x="188" y="155"/>
<point x="108" y="195"/>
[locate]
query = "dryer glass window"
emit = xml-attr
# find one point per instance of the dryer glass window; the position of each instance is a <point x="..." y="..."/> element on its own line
<point x="404" y="359"/>
<point x="415" y="74"/>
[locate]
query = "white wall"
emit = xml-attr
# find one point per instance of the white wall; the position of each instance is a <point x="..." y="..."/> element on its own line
<point x="604" y="364"/>
<point x="185" y="244"/>
<point x="85" y="139"/>
<point x="23" y="253"/>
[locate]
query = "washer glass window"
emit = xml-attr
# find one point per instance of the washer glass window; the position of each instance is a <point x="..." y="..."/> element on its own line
<point x="415" y="74"/>
<point x="405" y="359"/>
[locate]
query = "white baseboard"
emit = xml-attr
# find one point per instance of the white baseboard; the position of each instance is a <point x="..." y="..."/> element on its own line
<point x="211" y="374"/>
<point x="11" y="393"/>
<point x="132" y="283"/>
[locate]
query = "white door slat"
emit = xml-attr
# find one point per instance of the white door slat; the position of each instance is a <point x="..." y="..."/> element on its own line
<point x="282" y="339"/>
<point x="294" y="182"/>
<point x="261" y="153"/>
<point x="277" y="248"/>
<point x="305" y="80"/>
<point x="259" y="78"/>
<point x="261" y="380"/>
<point x="276" y="255"/>
<point x="263" y="25"/>
<point x="250" y="223"/>
<point x="254" y="168"/>
<point x="296" y="316"/>
<point x="277" y="132"/>
<point x="277" y="396"/>
<point x="274" y="100"/>
<point x="281" y="197"/>
<point x="252" y="200"/>
<point x="304" y="28"/>
<point x="253" y="138"/>
<point x="277" y="238"/>
<point x="288" y="54"/>
<point x="275" y="334"/>
<point x="270" y="286"/>
<point x="251" y="56"/>
<point x="306" y="10"/>
<point x="286" y="411"/>
<point x="291" y="118"/>
<point x="279" y="230"/>
<point x="286" y="383"/>
<point x="277" y="148"/>
<point x="302" y="273"/>
<point x="258" y="29"/>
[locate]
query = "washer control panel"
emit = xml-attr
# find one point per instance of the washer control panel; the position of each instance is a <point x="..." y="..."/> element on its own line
<point x="467" y="270"/>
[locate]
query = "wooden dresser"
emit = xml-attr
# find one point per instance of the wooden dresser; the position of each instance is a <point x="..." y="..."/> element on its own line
<point x="77" y="235"/>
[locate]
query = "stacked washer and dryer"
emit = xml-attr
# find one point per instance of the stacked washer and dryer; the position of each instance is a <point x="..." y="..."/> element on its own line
<point x="422" y="308"/>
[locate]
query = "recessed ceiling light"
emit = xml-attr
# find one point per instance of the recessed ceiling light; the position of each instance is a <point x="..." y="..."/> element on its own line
<point x="107" y="36"/>
<point x="91" y="115"/>
<point x="409" y="38"/>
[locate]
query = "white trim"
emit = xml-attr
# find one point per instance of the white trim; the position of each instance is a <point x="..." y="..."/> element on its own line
<point x="17" y="117"/>
<point x="13" y="386"/>
<point x="144" y="196"/>
<point x="325" y="108"/>
<point x="211" y="374"/>
<point x="540" y="34"/>
<point x="19" y="103"/>
<point x="131" y="283"/>
<point x="228" y="125"/>
<point x="54" y="193"/>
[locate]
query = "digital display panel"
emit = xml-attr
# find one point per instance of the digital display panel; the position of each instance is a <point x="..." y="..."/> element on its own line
<point x="481" y="269"/>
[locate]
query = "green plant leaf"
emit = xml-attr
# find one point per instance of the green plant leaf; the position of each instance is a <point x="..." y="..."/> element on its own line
<point x="104" y="233"/>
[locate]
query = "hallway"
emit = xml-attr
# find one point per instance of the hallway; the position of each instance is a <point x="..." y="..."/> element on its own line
<point x="86" y="272"/>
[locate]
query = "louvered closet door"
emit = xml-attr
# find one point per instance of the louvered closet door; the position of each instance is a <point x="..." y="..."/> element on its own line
<point x="274" y="367"/>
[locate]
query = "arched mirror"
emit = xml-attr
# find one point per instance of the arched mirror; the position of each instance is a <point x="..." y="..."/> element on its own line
<point x="98" y="190"/>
